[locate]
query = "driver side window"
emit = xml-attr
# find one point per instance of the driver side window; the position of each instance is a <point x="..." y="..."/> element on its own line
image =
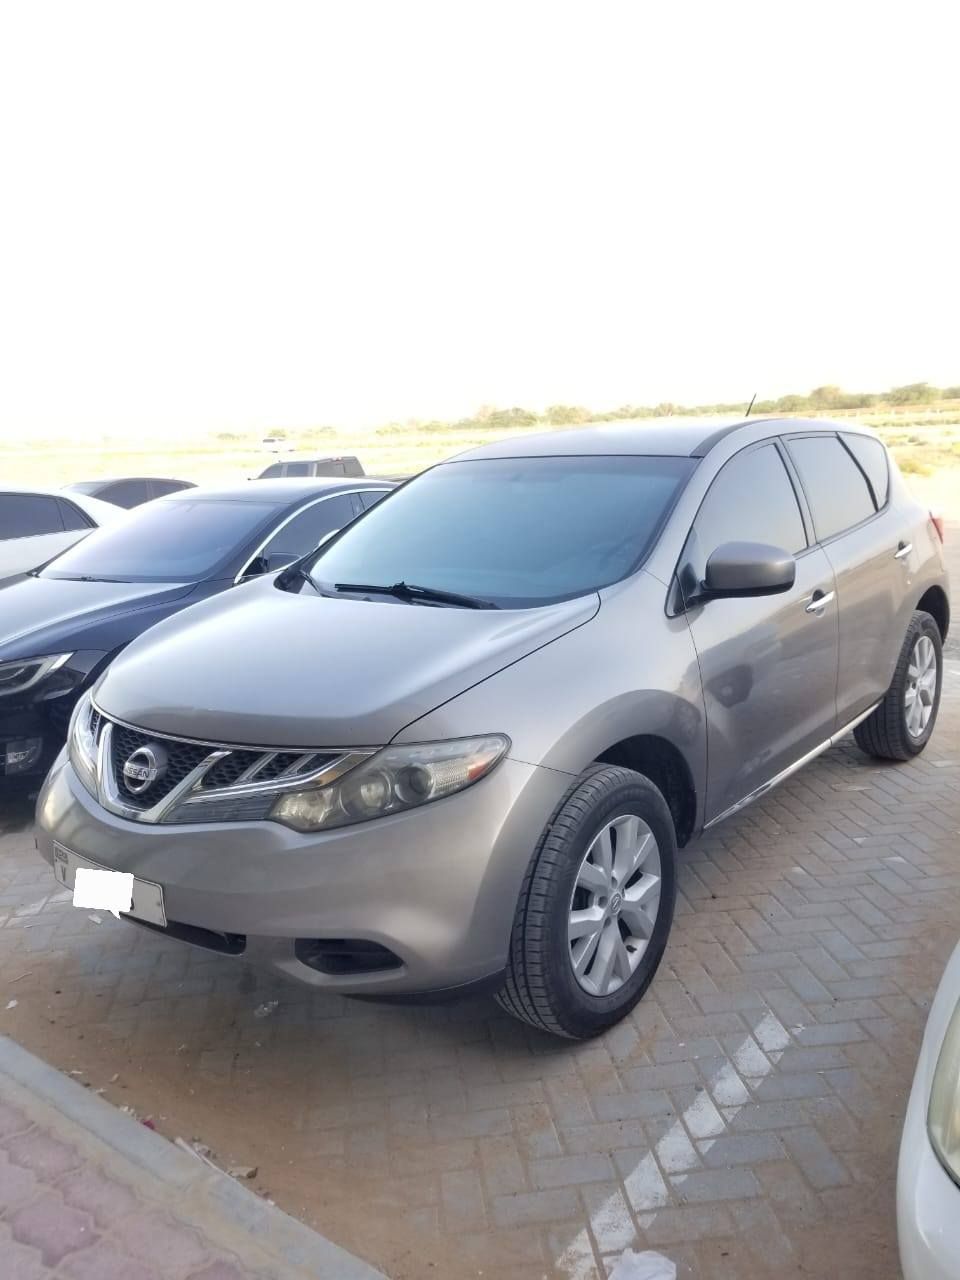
<point x="303" y="533"/>
<point x="751" y="500"/>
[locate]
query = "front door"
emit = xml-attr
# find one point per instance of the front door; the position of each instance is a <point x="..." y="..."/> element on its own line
<point x="768" y="664"/>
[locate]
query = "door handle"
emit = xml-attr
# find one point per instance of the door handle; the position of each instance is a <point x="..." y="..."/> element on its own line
<point x="818" y="601"/>
<point x="904" y="549"/>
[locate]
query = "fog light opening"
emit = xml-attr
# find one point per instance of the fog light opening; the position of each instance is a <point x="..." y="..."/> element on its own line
<point x="344" y="956"/>
<point x="22" y="755"/>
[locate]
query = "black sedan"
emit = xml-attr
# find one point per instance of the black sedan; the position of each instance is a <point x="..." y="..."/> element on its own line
<point x="61" y="625"/>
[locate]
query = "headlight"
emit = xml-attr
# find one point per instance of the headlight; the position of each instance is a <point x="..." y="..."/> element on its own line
<point x="943" y="1116"/>
<point x="19" y="676"/>
<point x="393" y="780"/>
<point x="82" y="740"/>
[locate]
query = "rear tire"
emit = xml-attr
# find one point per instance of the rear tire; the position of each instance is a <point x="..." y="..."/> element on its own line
<point x="901" y="726"/>
<point x="606" y="858"/>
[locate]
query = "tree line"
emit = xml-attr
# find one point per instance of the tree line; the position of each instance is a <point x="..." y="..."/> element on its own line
<point x="820" y="399"/>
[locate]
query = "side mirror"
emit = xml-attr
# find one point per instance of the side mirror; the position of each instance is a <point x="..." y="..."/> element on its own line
<point x="279" y="560"/>
<point x="747" y="569"/>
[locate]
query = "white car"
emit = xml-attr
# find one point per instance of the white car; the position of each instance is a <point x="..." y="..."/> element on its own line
<point x="928" y="1177"/>
<point x="37" y="524"/>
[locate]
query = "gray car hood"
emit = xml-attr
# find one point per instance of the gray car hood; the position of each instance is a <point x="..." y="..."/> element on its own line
<point x="264" y="667"/>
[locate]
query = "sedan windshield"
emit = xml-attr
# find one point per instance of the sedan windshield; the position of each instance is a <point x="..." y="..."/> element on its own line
<point x="178" y="540"/>
<point x="515" y="532"/>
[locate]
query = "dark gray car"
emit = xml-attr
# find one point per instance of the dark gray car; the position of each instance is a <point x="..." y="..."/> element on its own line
<point x="460" y="745"/>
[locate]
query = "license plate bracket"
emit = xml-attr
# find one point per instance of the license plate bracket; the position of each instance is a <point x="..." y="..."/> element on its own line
<point x="147" y="896"/>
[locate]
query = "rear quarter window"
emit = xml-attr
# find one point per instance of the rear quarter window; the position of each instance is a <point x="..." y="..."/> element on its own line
<point x="872" y="457"/>
<point x="73" y="517"/>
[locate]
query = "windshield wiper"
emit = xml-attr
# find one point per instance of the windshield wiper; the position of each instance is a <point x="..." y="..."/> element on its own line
<point x="410" y="591"/>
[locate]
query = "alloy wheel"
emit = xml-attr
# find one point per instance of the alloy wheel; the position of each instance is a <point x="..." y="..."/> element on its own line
<point x="615" y="904"/>
<point x="921" y="689"/>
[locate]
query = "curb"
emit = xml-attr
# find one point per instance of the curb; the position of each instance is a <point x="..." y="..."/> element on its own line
<point x="224" y="1200"/>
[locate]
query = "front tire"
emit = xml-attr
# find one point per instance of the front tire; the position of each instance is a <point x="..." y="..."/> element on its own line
<point x="901" y="726"/>
<point x="595" y="908"/>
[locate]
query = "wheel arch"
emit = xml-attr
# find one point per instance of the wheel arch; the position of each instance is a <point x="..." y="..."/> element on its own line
<point x="935" y="602"/>
<point x="665" y="765"/>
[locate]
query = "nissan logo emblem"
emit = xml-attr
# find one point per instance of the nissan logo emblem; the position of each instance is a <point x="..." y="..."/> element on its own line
<point x="143" y="768"/>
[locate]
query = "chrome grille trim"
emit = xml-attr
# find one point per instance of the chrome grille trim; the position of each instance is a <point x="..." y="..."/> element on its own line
<point x="185" y="801"/>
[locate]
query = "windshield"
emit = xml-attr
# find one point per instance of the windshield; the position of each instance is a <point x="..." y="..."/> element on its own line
<point x="516" y="532"/>
<point x="177" y="540"/>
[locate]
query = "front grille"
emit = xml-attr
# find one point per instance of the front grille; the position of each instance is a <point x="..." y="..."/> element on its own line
<point x="228" y="770"/>
<point x="265" y="766"/>
<point x="231" y="783"/>
<point x="180" y="759"/>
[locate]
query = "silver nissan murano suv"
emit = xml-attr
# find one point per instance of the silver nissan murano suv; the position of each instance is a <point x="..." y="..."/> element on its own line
<point x="458" y="746"/>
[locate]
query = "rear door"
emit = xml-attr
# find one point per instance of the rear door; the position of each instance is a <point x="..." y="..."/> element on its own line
<point x="31" y="531"/>
<point x="769" y="663"/>
<point x="846" y="481"/>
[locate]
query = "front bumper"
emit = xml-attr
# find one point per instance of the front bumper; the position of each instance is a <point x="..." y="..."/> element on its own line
<point x="436" y="885"/>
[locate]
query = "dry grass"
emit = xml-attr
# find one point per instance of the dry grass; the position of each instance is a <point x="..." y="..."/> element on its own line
<point x="926" y="445"/>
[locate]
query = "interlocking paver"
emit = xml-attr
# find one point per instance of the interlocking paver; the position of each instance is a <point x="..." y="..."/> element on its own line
<point x="768" y="1064"/>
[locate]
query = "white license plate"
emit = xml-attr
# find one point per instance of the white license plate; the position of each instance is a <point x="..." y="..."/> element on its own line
<point x="147" y="897"/>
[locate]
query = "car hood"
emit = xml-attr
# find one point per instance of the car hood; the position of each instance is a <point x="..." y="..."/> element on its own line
<point x="41" y="615"/>
<point x="267" y="667"/>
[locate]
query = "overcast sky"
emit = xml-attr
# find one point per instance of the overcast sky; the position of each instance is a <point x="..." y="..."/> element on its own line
<point x="224" y="215"/>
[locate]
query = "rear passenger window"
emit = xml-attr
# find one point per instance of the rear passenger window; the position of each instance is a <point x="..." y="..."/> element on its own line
<point x="28" y="515"/>
<point x="751" y="500"/>
<point x="126" y="493"/>
<point x="296" y="469"/>
<point x="872" y="457"/>
<point x="836" y="488"/>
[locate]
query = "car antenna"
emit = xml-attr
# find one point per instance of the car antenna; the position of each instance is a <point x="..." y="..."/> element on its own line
<point x="750" y="405"/>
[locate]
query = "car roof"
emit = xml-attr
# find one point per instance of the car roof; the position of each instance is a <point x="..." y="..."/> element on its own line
<point x="290" y="489"/>
<point x="690" y="438"/>
<point x="87" y="486"/>
<point x="318" y="457"/>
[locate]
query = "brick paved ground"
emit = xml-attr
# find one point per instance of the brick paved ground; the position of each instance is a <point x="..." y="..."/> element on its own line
<point x="744" y="1121"/>
<point x="87" y="1193"/>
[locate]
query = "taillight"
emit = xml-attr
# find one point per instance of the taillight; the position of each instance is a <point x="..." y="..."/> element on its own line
<point x="937" y="522"/>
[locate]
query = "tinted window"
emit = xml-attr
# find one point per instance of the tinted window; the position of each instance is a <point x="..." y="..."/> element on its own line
<point x="305" y="530"/>
<point x="170" y="540"/>
<point x="272" y="472"/>
<point x="370" y="497"/>
<point x="73" y="517"/>
<point x="835" y="486"/>
<point x="873" y="461"/>
<point x="297" y="469"/>
<point x="515" y="531"/>
<point x="751" y="500"/>
<point x="352" y="467"/>
<point x="125" y="493"/>
<point x="27" y="515"/>
<point x="159" y="488"/>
